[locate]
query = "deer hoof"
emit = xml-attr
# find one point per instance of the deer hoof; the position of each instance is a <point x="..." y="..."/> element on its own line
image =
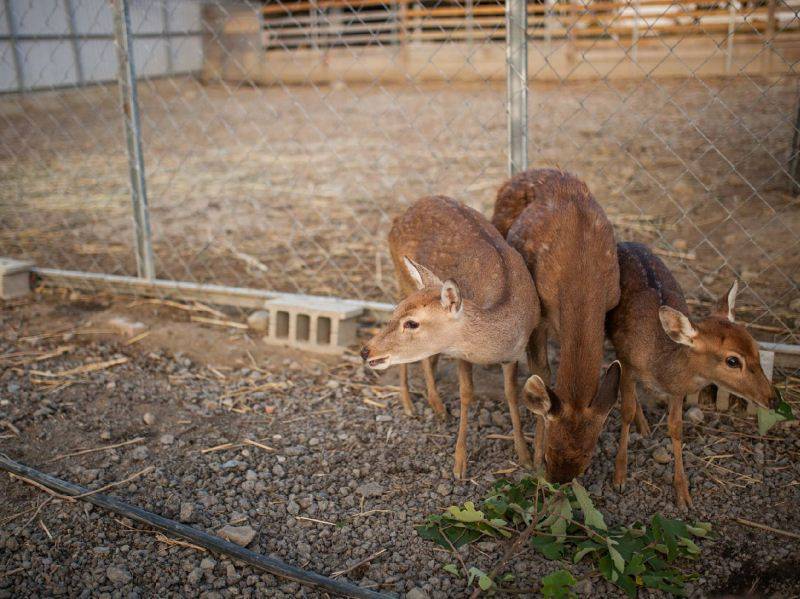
<point x="619" y="487"/>
<point x="684" y="499"/>
<point x="460" y="469"/>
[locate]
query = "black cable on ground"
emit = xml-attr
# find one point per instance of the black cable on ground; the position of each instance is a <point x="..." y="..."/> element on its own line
<point x="203" y="539"/>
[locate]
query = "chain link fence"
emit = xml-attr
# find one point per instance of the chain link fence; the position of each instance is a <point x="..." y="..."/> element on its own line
<point x="279" y="138"/>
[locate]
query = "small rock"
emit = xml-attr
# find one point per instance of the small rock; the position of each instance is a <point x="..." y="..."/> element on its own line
<point x="241" y="535"/>
<point x="444" y="489"/>
<point x="207" y="563"/>
<point x="584" y="587"/>
<point x="661" y="455"/>
<point x="695" y="415"/>
<point x="292" y="507"/>
<point x="105" y="435"/>
<point x="230" y="464"/>
<point x="149" y="419"/>
<point x="118" y="575"/>
<point x="370" y="490"/>
<point x="187" y="512"/>
<point x="140" y="453"/>
<point x="278" y="471"/>
<point x="167" y="439"/>
<point x="126" y="327"/>
<point x="258" y="320"/>
<point x="417" y="593"/>
<point x="383" y="418"/>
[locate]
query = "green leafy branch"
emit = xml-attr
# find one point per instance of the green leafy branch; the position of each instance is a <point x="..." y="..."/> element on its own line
<point x="562" y="523"/>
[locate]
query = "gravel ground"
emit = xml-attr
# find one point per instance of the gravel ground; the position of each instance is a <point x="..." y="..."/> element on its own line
<point x="345" y="479"/>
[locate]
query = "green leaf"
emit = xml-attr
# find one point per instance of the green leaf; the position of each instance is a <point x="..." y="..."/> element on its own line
<point x="784" y="409"/>
<point x="700" y="529"/>
<point x="468" y="514"/>
<point x="474" y="573"/>
<point x="548" y="547"/>
<point x="767" y="419"/>
<point x="453" y="569"/>
<point x="581" y="553"/>
<point x="558" y="584"/>
<point x="616" y="558"/>
<point x="591" y="516"/>
<point x="690" y="546"/>
<point x="485" y="582"/>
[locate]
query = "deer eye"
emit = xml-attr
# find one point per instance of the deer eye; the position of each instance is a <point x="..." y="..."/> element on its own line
<point x="410" y="324"/>
<point x="733" y="362"/>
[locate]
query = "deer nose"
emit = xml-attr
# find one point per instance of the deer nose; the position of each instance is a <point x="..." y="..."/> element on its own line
<point x="364" y="353"/>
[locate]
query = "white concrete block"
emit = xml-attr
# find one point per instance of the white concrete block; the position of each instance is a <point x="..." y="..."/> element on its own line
<point x="14" y="278"/>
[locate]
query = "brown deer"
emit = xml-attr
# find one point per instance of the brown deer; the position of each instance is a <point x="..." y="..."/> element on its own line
<point x="662" y="348"/>
<point x="551" y="218"/>
<point x="473" y="299"/>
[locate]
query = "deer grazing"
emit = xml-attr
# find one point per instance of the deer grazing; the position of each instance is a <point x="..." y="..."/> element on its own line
<point x="662" y="348"/>
<point x="567" y="242"/>
<point x="469" y="295"/>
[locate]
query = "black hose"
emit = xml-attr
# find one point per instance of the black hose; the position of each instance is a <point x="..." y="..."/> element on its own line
<point x="211" y="542"/>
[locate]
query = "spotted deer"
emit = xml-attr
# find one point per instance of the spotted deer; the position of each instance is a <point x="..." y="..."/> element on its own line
<point x="661" y="347"/>
<point x="567" y="242"/>
<point x="468" y="295"/>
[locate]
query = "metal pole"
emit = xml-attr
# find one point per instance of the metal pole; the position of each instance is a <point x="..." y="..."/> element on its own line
<point x="166" y="30"/>
<point x="126" y="77"/>
<point x="73" y="35"/>
<point x="517" y="81"/>
<point x="731" y="30"/>
<point x="12" y="31"/>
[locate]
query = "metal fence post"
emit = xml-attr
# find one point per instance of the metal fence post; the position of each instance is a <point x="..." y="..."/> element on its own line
<point x="126" y="76"/>
<point x="517" y="82"/>
<point x="15" y="51"/>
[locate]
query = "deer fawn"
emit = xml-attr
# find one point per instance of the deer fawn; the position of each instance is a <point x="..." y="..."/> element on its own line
<point x="551" y="218"/>
<point x="483" y="312"/>
<point x="661" y="347"/>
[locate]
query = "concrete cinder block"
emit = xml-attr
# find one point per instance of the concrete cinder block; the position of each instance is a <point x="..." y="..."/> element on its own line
<point x="14" y="278"/>
<point x="318" y="324"/>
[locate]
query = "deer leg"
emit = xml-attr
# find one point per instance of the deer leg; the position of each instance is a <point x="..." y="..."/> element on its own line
<point x="627" y="388"/>
<point x="537" y="353"/>
<point x="510" y="384"/>
<point x="405" y="396"/>
<point x="641" y="421"/>
<point x="675" y="422"/>
<point x="434" y="364"/>
<point x="429" y="368"/>
<point x="465" y="391"/>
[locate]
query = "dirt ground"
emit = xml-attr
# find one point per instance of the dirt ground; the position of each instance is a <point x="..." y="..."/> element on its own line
<point x="339" y="473"/>
<point x="294" y="188"/>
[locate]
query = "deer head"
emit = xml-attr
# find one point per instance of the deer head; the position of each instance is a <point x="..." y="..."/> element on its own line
<point x="427" y="322"/>
<point x="721" y="351"/>
<point x="571" y="432"/>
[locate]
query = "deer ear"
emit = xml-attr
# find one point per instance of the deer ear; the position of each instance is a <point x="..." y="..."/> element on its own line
<point x="540" y="399"/>
<point x="606" y="395"/>
<point x="727" y="303"/>
<point x="677" y="326"/>
<point x="451" y="297"/>
<point x="422" y="276"/>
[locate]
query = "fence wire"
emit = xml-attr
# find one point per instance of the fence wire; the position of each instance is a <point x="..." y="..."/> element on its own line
<point x="281" y="137"/>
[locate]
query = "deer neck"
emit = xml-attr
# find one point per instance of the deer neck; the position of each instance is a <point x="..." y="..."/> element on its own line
<point x="581" y="336"/>
<point x="488" y="335"/>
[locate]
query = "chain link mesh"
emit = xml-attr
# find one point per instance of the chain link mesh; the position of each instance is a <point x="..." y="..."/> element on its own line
<point x="281" y="137"/>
